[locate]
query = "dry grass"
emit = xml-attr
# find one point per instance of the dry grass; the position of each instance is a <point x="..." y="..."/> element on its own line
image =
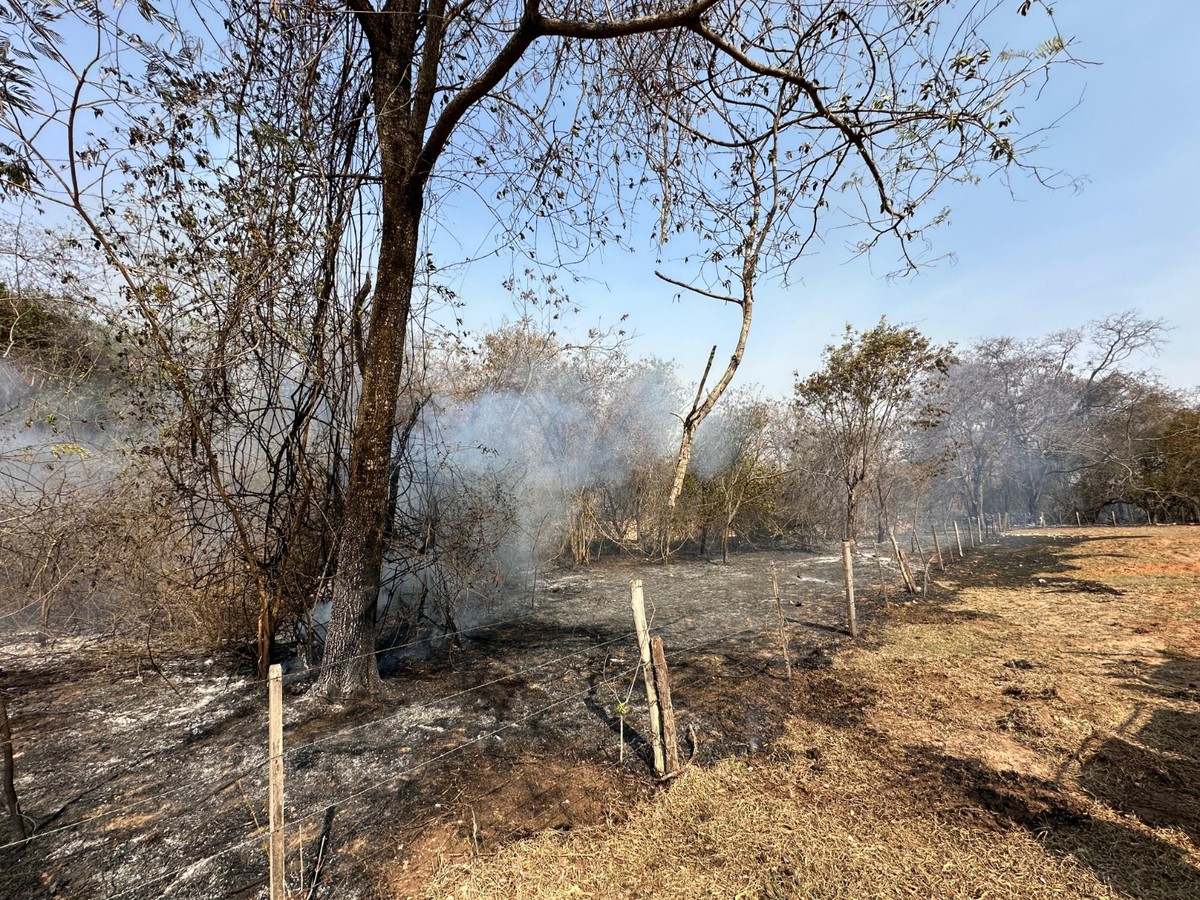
<point x="1031" y="731"/>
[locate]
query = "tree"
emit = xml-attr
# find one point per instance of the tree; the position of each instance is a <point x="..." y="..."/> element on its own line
<point x="1025" y="417"/>
<point x="449" y="82"/>
<point x="17" y="831"/>
<point x="871" y="386"/>
<point x="740" y="468"/>
<point x="1170" y="468"/>
<point x="228" y="210"/>
<point x="847" y="113"/>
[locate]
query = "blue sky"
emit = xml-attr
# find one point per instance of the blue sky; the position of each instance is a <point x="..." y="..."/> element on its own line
<point x="1044" y="261"/>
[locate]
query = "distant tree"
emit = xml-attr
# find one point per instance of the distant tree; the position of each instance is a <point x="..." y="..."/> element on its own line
<point x="872" y="385"/>
<point x="1169" y="472"/>
<point x="739" y="469"/>
<point x="1028" y="418"/>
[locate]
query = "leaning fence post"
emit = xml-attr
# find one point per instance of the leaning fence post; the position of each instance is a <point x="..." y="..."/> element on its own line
<point x="937" y="548"/>
<point x="848" y="569"/>
<point x="662" y="686"/>
<point x="783" y="638"/>
<point x="275" y="773"/>
<point x="917" y="548"/>
<point x="882" y="581"/>
<point x="910" y="584"/>
<point x="643" y="636"/>
<point x="958" y="539"/>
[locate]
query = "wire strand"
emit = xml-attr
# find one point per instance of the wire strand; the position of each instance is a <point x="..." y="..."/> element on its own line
<point x="249" y="769"/>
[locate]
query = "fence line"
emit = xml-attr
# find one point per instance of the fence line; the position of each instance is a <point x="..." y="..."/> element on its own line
<point x="232" y="779"/>
<point x="415" y="643"/>
<point x="443" y="698"/>
<point x="310" y="669"/>
<point x="450" y="751"/>
<point x="629" y="670"/>
<point x="194" y="864"/>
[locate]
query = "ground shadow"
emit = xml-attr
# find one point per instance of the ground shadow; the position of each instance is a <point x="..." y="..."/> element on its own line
<point x="1128" y="859"/>
<point x="1020" y="560"/>
<point x="1153" y="772"/>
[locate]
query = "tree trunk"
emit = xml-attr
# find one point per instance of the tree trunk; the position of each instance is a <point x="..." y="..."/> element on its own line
<point x="349" y="666"/>
<point x="851" y="529"/>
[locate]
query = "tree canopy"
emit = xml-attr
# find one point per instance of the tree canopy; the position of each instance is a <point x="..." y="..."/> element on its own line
<point x="871" y="385"/>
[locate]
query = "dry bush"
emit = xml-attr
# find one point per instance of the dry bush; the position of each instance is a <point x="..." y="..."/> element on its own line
<point x="112" y="553"/>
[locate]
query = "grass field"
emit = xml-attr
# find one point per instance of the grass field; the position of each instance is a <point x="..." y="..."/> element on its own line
<point x="1031" y="730"/>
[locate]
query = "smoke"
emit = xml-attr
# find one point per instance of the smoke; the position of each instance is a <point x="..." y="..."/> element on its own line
<point x="489" y="485"/>
<point x="561" y="436"/>
<point x="48" y="427"/>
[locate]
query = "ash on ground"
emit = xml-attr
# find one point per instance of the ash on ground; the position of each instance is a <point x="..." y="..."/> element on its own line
<point x="147" y="778"/>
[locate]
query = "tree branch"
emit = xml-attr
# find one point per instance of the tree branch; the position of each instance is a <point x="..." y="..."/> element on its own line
<point x="724" y="298"/>
<point x="813" y="93"/>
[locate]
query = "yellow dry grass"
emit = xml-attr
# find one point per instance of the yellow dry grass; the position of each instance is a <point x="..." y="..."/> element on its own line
<point x="1031" y="731"/>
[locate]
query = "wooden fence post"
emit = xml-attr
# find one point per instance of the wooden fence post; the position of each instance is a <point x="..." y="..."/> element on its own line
<point x="958" y="539"/>
<point x="917" y="548"/>
<point x="937" y="548"/>
<point x="643" y="635"/>
<point x="275" y="772"/>
<point x="662" y="686"/>
<point x="1078" y="521"/>
<point x="910" y="584"/>
<point x="848" y="570"/>
<point x="783" y="638"/>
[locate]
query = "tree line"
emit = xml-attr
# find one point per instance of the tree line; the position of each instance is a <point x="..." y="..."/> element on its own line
<point x="526" y="449"/>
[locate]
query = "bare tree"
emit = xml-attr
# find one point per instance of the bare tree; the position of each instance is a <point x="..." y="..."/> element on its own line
<point x="226" y="195"/>
<point x="739" y="467"/>
<point x="1027" y="417"/>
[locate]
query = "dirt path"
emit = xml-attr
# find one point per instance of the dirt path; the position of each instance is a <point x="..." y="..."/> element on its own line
<point x="1030" y="731"/>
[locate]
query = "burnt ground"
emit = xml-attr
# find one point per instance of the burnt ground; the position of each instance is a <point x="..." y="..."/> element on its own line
<point x="1030" y="730"/>
<point x="147" y="777"/>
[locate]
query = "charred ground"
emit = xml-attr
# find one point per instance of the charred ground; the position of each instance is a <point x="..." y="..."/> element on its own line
<point x="153" y="769"/>
<point x="1030" y="729"/>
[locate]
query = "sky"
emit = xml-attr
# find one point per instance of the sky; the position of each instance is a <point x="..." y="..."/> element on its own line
<point x="1026" y="262"/>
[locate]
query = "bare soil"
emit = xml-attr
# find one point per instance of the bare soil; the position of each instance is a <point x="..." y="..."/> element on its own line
<point x="1031" y="730"/>
<point x="144" y="777"/>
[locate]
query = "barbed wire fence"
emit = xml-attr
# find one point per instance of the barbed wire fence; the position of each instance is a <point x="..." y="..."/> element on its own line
<point x="595" y="657"/>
